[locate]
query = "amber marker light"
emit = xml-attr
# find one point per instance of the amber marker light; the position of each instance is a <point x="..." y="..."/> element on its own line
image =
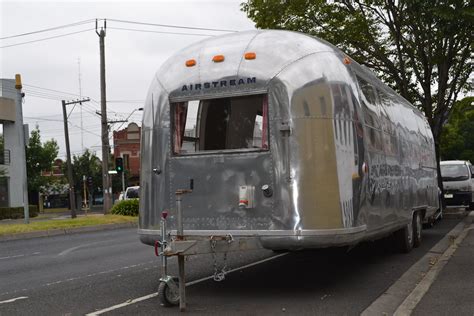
<point x="190" y="63"/>
<point x="346" y="60"/>
<point x="250" y="56"/>
<point x="218" y="58"/>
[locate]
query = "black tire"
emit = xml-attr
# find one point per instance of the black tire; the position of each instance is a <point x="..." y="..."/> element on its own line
<point x="417" y="229"/>
<point x="471" y="206"/>
<point x="166" y="296"/>
<point x="404" y="238"/>
<point x="429" y="224"/>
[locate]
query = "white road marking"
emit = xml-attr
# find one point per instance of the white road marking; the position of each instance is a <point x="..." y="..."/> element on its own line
<point x="14" y="299"/>
<point x="85" y="276"/>
<point x="67" y="251"/>
<point x="146" y="297"/>
<point x="239" y="268"/>
<point x="19" y="256"/>
<point x="129" y="302"/>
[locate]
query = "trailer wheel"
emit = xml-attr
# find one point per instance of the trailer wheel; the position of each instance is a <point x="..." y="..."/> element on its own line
<point x="166" y="295"/>
<point x="404" y="238"/>
<point x="417" y="229"/>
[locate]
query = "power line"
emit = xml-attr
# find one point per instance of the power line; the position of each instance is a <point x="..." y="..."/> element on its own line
<point x="124" y="101"/>
<point x="118" y="28"/>
<point x="172" y="26"/>
<point x="62" y="92"/>
<point x="40" y="119"/>
<point x="55" y="97"/>
<point x="160" y="32"/>
<point x="47" y="38"/>
<point x="85" y="130"/>
<point x="49" y="29"/>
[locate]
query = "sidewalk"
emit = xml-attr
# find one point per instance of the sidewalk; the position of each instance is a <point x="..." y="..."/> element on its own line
<point x="452" y="292"/>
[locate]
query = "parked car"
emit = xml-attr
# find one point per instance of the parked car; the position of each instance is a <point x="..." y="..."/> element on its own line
<point x="132" y="193"/>
<point x="458" y="183"/>
<point x="98" y="200"/>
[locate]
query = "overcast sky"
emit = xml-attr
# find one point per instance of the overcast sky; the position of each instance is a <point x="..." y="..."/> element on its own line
<point x="132" y="57"/>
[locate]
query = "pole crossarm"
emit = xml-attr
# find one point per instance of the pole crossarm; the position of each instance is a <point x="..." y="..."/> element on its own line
<point x="76" y="101"/>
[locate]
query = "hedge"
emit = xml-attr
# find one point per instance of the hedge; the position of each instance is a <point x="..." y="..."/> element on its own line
<point x="17" y="212"/>
<point x="126" y="207"/>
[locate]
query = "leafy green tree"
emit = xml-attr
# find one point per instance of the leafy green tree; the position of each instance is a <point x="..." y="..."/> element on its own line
<point x="457" y="140"/>
<point x="39" y="157"/>
<point x="88" y="165"/>
<point x="422" y="49"/>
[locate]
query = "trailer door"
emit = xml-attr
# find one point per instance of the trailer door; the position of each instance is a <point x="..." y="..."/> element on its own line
<point x="222" y="145"/>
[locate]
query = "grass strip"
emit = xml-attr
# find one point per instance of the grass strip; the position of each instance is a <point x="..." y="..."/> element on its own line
<point x="90" y="220"/>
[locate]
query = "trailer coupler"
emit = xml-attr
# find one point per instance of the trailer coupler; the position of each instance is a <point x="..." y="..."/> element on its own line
<point x="171" y="290"/>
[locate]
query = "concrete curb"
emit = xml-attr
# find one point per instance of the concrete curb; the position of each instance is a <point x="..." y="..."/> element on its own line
<point x="67" y="231"/>
<point x="395" y="295"/>
<point x="412" y="300"/>
<point x="456" y="215"/>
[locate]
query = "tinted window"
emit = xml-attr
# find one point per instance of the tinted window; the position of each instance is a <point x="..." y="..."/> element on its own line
<point x="454" y="172"/>
<point x="133" y="193"/>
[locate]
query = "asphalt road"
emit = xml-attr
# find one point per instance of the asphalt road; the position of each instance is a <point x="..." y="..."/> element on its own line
<point x="83" y="273"/>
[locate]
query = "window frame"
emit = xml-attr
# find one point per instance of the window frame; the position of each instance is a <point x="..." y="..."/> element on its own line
<point x="265" y="123"/>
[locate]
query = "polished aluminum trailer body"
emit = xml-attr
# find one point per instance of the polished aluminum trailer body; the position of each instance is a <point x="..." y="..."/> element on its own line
<point x="347" y="159"/>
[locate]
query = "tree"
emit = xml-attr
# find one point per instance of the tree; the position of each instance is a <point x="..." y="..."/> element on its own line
<point x="422" y="49"/>
<point x="88" y="165"/>
<point x="457" y="140"/>
<point x="39" y="157"/>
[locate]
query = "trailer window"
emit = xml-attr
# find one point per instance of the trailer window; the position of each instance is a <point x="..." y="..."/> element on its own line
<point x="237" y="123"/>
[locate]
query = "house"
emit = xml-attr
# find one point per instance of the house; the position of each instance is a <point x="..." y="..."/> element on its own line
<point x="12" y="145"/>
<point x="56" y="169"/>
<point x="127" y="146"/>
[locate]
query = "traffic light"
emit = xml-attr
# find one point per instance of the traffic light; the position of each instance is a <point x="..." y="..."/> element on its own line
<point x="119" y="164"/>
<point x="89" y="181"/>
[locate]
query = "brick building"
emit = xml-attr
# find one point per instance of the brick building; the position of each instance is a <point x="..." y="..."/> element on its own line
<point x="56" y="169"/>
<point x="127" y="146"/>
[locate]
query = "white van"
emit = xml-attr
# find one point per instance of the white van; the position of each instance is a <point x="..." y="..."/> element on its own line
<point x="132" y="193"/>
<point x="458" y="183"/>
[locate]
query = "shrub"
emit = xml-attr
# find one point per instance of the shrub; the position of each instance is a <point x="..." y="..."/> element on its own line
<point x="17" y="212"/>
<point x="126" y="208"/>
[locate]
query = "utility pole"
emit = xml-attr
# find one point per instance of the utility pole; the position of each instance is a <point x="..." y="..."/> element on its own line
<point x="23" y="137"/>
<point x="86" y="205"/>
<point x="105" y="128"/>
<point x="72" y="192"/>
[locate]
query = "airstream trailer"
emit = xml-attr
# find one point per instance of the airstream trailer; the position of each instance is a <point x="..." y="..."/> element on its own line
<point x="287" y="143"/>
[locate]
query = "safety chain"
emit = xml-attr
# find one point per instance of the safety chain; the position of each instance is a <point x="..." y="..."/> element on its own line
<point x="219" y="275"/>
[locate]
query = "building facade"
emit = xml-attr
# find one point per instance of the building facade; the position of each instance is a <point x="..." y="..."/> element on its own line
<point x="127" y="146"/>
<point x="12" y="149"/>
